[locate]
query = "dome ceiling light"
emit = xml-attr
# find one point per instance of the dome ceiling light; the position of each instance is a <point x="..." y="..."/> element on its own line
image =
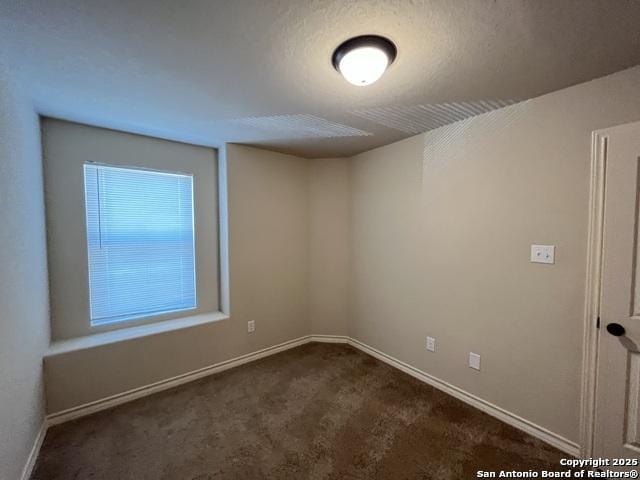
<point x="362" y="60"/>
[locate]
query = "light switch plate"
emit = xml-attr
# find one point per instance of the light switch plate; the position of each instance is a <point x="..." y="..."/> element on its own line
<point x="474" y="360"/>
<point x="251" y="326"/>
<point x="543" y="253"/>
<point x="431" y="344"/>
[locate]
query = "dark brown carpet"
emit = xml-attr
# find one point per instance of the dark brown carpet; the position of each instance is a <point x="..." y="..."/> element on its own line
<point x="319" y="411"/>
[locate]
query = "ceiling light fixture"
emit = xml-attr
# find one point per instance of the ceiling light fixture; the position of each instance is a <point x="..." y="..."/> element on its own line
<point x="362" y="60"/>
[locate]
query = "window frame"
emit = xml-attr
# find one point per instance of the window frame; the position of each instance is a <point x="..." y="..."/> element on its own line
<point x="66" y="147"/>
<point x="122" y="319"/>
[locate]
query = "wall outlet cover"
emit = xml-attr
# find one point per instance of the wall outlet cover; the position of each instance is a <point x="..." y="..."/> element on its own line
<point x="431" y="344"/>
<point x="543" y="254"/>
<point x="251" y="326"/>
<point x="474" y="360"/>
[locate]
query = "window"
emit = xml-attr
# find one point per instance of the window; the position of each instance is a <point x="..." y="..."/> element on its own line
<point x="133" y="230"/>
<point x="140" y="242"/>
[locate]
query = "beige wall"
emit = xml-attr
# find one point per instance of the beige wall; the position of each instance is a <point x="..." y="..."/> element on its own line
<point x="66" y="148"/>
<point x="329" y="246"/>
<point x="442" y="224"/>
<point x="288" y="244"/>
<point x="269" y="258"/>
<point x="24" y="326"/>
<point x="428" y="236"/>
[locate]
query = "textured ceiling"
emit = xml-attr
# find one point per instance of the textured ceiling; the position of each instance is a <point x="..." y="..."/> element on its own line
<point x="259" y="71"/>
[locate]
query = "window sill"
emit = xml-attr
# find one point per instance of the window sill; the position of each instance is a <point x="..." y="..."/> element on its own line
<point x="114" y="336"/>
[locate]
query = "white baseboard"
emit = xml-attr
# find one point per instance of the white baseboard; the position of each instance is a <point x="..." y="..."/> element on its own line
<point x="507" y="417"/>
<point x="35" y="451"/>
<point x="124" y="397"/>
<point x="329" y="338"/>
<point x="512" y="419"/>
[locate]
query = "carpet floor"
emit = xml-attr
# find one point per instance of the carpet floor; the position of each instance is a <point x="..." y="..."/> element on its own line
<point x="319" y="411"/>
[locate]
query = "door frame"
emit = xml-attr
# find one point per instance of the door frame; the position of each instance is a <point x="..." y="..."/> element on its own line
<point x="591" y="336"/>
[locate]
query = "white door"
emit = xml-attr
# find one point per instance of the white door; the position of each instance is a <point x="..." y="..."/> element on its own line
<point x="617" y="419"/>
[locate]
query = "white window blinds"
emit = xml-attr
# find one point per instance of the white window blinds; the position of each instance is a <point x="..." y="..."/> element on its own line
<point x="140" y="238"/>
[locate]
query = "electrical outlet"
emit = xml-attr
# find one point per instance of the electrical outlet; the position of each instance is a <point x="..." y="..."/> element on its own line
<point x="474" y="360"/>
<point x="251" y="326"/>
<point x="543" y="254"/>
<point x="431" y="344"/>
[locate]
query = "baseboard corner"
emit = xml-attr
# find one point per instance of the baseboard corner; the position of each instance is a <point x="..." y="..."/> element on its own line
<point x="507" y="417"/>
<point x="35" y="451"/>
<point x="329" y="338"/>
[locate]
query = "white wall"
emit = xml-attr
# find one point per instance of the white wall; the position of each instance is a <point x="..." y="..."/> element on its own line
<point x="442" y="224"/>
<point x="24" y="326"/>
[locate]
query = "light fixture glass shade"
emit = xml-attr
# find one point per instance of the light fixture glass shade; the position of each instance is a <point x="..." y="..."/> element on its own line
<point x="362" y="60"/>
<point x="363" y="66"/>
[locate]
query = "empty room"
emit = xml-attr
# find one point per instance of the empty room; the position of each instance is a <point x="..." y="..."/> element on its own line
<point x="319" y="239"/>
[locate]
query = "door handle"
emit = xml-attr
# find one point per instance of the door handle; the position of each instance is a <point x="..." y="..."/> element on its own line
<point x="616" y="329"/>
<point x="619" y="331"/>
